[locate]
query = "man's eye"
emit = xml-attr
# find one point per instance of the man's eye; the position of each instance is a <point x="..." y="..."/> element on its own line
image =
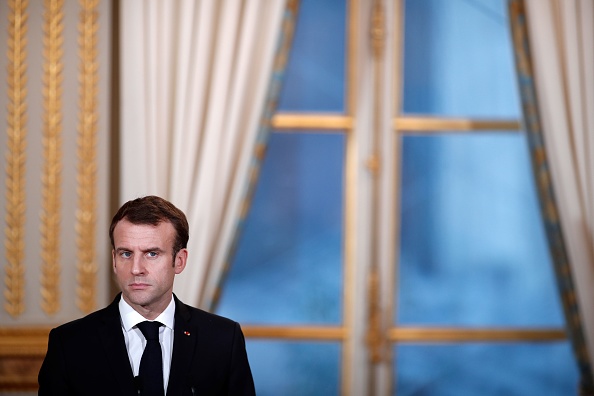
<point x="125" y="254"/>
<point x="152" y="254"/>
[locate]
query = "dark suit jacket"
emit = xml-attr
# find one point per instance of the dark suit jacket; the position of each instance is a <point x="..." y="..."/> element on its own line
<point x="88" y="356"/>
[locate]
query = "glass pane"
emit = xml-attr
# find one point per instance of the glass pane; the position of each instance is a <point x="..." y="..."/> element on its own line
<point x="486" y="370"/>
<point x="288" y="267"/>
<point x="473" y="248"/>
<point x="458" y="59"/>
<point x="295" y="368"/>
<point x="315" y="76"/>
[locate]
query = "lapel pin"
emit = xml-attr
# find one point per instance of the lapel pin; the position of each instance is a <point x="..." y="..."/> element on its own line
<point x="187" y="333"/>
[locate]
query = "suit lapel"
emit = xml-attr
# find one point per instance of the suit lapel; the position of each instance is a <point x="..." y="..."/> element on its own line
<point x="184" y="342"/>
<point x="114" y="348"/>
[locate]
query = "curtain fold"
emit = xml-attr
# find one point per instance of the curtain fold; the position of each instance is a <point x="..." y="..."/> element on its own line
<point x="196" y="97"/>
<point x="554" y="46"/>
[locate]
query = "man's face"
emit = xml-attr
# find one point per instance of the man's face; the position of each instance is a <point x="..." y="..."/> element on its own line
<point x="144" y="265"/>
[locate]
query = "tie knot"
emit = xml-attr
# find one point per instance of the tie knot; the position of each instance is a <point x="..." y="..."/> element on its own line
<point x="150" y="330"/>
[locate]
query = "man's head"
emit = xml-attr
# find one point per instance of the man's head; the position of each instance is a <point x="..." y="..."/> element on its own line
<point x="153" y="210"/>
<point x="148" y="237"/>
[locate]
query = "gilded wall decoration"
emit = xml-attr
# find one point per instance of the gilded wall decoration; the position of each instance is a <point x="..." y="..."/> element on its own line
<point x="87" y="165"/>
<point x="15" y="158"/>
<point x="53" y="169"/>
<point x="52" y="154"/>
<point x="375" y="334"/>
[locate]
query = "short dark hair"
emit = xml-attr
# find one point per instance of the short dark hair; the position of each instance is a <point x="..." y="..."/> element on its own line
<point x="153" y="210"/>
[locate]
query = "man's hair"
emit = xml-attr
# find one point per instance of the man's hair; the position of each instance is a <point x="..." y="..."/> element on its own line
<point x="153" y="210"/>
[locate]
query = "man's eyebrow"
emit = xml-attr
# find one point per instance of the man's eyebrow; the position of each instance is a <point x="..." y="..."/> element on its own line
<point x="152" y="249"/>
<point x="149" y="249"/>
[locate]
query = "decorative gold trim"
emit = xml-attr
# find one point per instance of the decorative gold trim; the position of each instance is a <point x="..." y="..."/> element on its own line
<point x="295" y="332"/>
<point x="312" y="121"/>
<point x="22" y="350"/>
<point x="434" y="124"/>
<point x="15" y="158"/>
<point x="403" y="124"/>
<point x="424" y="334"/>
<point x="87" y="165"/>
<point x="19" y="374"/>
<point x="53" y="28"/>
<point x="378" y="29"/>
<point x="374" y="337"/>
<point x="23" y="341"/>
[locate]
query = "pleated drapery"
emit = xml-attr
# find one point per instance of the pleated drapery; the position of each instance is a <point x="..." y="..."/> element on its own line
<point x="199" y="82"/>
<point x="554" y="46"/>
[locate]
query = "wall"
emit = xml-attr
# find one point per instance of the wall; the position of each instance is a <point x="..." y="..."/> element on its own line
<point x="55" y="174"/>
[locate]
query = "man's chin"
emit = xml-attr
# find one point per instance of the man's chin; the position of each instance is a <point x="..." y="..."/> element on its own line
<point x="137" y="297"/>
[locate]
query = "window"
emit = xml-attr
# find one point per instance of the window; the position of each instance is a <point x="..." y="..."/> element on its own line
<point x="394" y="244"/>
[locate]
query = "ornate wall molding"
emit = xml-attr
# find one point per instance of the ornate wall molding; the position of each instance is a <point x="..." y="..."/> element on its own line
<point x="53" y="28"/>
<point x="87" y="157"/>
<point x="15" y="158"/>
<point x="22" y="351"/>
<point x="56" y="173"/>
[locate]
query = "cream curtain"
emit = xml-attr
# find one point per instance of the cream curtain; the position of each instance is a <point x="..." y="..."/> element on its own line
<point x="560" y="35"/>
<point x="194" y="82"/>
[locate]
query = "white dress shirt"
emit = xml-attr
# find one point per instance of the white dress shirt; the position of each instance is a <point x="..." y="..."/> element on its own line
<point x="135" y="341"/>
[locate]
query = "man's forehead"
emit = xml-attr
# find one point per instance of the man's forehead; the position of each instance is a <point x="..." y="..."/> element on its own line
<point x="125" y="223"/>
<point x="127" y="232"/>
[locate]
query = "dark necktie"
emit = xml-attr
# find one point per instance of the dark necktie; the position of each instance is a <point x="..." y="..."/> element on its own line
<point x="151" y="363"/>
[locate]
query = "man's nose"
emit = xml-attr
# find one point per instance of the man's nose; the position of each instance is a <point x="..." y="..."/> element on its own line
<point x="138" y="265"/>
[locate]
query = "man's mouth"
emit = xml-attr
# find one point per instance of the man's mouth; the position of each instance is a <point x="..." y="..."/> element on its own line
<point x="138" y="286"/>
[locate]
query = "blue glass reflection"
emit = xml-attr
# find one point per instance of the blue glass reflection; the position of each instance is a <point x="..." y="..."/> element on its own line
<point x="458" y="59"/>
<point x="295" y="368"/>
<point x="486" y="369"/>
<point x="288" y="266"/>
<point x="315" y="76"/>
<point x="473" y="249"/>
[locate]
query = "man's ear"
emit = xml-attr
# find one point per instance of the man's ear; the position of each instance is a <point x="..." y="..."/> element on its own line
<point x="113" y="260"/>
<point x="181" y="258"/>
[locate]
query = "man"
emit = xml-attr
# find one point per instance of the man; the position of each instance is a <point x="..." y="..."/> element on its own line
<point x="107" y="353"/>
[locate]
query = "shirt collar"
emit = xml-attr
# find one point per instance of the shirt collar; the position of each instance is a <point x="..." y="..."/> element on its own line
<point x="131" y="318"/>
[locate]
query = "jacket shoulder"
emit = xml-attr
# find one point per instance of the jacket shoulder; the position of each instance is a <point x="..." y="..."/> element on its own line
<point x="208" y="323"/>
<point x="198" y="315"/>
<point x="91" y="320"/>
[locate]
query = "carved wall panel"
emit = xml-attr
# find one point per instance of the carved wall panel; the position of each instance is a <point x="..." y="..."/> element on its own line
<point x="54" y="177"/>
